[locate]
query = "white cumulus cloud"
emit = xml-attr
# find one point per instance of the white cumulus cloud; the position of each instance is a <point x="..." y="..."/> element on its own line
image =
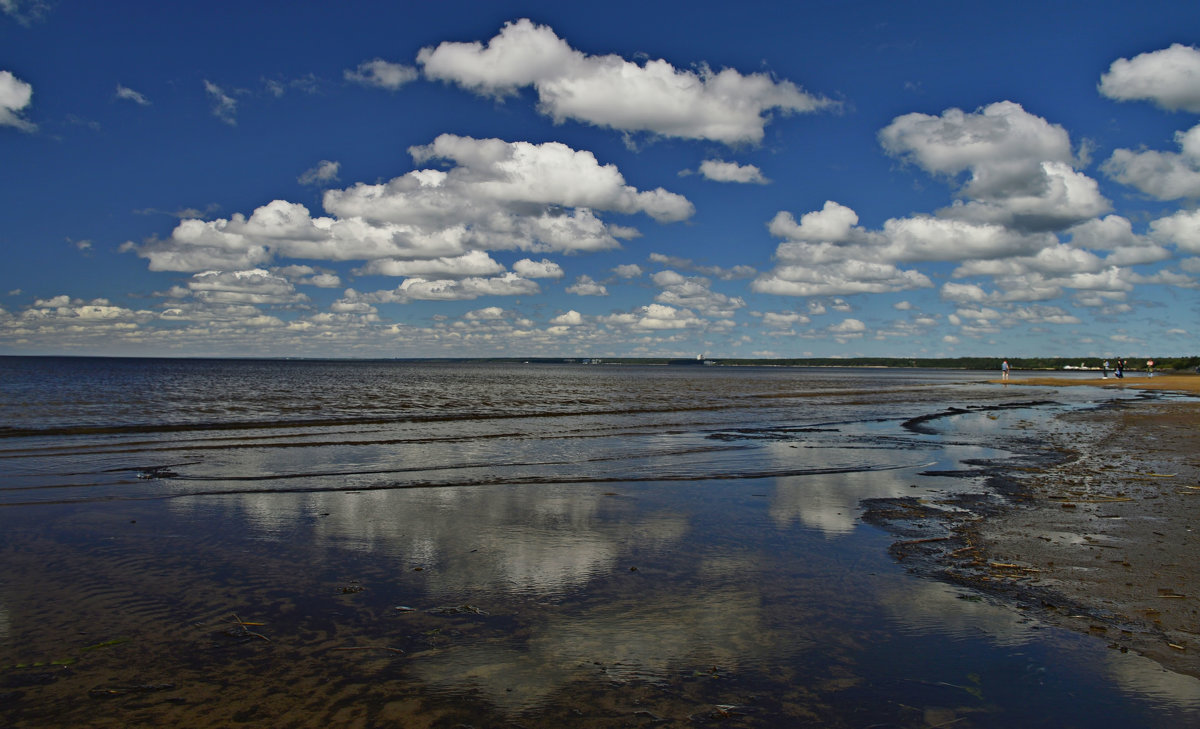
<point x="1019" y="166"/>
<point x="1181" y="229"/>
<point x="721" y="171"/>
<point x="1169" y="78"/>
<point x="832" y="223"/>
<point x="1162" y="175"/>
<point x="570" y="319"/>
<point x="586" y="286"/>
<point x="544" y="268"/>
<point x="15" y="95"/>
<point x="609" y="91"/>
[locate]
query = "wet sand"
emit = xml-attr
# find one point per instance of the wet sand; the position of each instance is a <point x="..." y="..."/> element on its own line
<point x="1106" y="540"/>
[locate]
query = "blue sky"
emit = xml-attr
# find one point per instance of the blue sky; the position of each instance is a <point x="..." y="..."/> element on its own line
<point x="483" y="179"/>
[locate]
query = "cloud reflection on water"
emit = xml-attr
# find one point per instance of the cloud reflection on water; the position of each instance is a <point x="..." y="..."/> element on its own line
<point x="556" y="560"/>
<point x="652" y="639"/>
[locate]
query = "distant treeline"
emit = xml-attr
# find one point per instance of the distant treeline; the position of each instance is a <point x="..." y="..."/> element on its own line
<point x="1188" y="364"/>
<point x="985" y="363"/>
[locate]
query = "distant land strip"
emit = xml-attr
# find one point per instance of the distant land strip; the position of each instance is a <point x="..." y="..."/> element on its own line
<point x="1177" y="364"/>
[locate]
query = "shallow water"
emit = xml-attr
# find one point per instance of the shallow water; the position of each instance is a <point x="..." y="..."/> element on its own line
<point x="534" y="545"/>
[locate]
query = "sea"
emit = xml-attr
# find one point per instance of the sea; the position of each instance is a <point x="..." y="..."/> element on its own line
<point x="332" y="543"/>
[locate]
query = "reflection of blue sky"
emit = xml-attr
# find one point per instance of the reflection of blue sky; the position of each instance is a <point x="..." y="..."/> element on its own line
<point x="925" y="608"/>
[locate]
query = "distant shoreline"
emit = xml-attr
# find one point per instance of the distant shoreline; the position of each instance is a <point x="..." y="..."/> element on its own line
<point x="1172" y="365"/>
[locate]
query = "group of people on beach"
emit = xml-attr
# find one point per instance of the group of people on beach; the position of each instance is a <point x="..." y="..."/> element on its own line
<point x="1119" y="372"/>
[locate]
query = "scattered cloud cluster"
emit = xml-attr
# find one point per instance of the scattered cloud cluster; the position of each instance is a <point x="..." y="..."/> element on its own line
<point x="1023" y="230"/>
<point x="325" y="171"/>
<point x="381" y="74"/>
<point x="25" y="12"/>
<point x="127" y="94"/>
<point x="1025" y="220"/>
<point x="435" y="226"/>
<point x="224" y="106"/>
<point x="1170" y="79"/>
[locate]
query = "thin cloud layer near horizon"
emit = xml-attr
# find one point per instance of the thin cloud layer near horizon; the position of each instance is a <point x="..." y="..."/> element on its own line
<point x="627" y="179"/>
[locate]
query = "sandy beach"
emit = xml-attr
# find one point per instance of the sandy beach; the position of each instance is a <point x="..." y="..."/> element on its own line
<point x="1107" y="540"/>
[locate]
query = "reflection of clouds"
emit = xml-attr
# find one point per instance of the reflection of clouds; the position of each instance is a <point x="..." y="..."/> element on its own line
<point x="829" y="502"/>
<point x="934" y="608"/>
<point x="633" y="639"/>
<point x="1138" y="674"/>
<point x="531" y="539"/>
<point x="544" y="540"/>
<point x="985" y="423"/>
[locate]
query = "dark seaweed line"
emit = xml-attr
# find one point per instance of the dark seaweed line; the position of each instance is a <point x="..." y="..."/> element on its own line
<point x="841" y="392"/>
<point x="10" y="432"/>
<point x="75" y="430"/>
<point x="917" y="424"/>
<point x="262" y="442"/>
<point x="525" y="481"/>
<point x="53" y="450"/>
<point x="223" y="443"/>
<point x="380" y="471"/>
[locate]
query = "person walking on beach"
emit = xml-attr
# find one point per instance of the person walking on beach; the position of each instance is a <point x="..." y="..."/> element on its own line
<point x="1004" y="371"/>
<point x="1104" y="369"/>
<point x="1120" y="368"/>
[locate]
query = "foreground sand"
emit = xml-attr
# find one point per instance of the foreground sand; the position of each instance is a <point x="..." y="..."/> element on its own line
<point x="1176" y="383"/>
<point x="1108" y="540"/>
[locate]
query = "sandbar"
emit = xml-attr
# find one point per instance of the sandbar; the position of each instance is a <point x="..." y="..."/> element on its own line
<point x="1107" y="539"/>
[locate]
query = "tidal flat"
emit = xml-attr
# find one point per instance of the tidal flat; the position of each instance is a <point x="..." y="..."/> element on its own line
<point x="389" y="544"/>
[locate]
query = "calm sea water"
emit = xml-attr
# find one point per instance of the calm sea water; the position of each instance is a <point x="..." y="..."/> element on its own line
<point x="535" y="545"/>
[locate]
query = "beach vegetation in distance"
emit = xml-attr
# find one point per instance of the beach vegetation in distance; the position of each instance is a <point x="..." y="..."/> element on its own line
<point x="1161" y="364"/>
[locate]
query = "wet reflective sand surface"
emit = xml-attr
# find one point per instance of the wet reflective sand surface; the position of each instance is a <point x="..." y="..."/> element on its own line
<point x="686" y="556"/>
